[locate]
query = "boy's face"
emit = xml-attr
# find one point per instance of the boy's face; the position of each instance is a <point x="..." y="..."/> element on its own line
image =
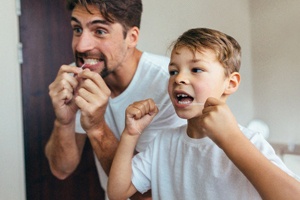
<point x="98" y="44"/>
<point x="194" y="78"/>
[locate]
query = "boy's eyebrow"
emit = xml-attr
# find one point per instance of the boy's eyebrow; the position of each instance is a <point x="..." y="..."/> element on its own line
<point x="172" y="64"/>
<point x="98" y="21"/>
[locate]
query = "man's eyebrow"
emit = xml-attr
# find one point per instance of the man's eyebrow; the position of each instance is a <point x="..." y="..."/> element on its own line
<point x="74" y="19"/>
<point x="98" y="21"/>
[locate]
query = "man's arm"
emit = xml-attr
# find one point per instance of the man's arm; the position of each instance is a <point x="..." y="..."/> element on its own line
<point x="63" y="150"/>
<point x="104" y="144"/>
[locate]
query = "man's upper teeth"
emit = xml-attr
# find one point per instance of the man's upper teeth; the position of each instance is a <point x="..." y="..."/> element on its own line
<point x="90" y="61"/>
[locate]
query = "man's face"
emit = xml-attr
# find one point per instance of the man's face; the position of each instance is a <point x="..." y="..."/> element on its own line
<point x="97" y="44"/>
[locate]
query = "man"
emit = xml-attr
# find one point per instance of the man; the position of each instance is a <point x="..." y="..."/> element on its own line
<point x="90" y="100"/>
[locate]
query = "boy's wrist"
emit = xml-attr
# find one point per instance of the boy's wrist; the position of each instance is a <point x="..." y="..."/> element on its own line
<point x="130" y="138"/>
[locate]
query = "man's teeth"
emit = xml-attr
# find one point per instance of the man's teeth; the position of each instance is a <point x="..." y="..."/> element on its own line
<point x="90" y="61"/>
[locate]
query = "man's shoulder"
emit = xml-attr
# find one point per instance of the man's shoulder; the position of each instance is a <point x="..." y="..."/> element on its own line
<point x="155" y="58"/>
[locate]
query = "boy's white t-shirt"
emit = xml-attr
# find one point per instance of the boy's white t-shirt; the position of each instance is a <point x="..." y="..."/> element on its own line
<point x="149" y="81"/>
<point x="176" y="166"/>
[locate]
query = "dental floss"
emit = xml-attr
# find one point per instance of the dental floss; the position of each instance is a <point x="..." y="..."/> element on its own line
<point x="200" y="104"/>
<point x="82" y="66"/>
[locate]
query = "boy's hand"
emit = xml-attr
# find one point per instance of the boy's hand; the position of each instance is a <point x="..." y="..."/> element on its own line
<point x="139" y="115"/>
<point x="218" y="122"/>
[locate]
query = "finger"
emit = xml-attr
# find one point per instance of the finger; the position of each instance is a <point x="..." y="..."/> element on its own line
<point x="68" y="69"/>
<point x="93" y="88"/>
<point x="145" y="107"/>
<point x="95" y="77"/>
<point x="211" y="101"/>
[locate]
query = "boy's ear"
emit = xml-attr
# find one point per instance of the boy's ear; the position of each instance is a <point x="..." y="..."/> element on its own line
<point x="133" y="36"/>
<point x="234" y="82"/>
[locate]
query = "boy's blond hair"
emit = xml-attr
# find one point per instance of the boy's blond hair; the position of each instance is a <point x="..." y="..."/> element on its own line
<point x="226" y="48"/>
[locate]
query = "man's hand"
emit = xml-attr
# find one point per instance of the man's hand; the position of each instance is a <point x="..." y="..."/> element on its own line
<point x="92" y="98"/>
<point x="61" y="92"/>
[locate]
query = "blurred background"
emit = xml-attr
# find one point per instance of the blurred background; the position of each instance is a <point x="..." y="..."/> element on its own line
<point x="36" y="39"/>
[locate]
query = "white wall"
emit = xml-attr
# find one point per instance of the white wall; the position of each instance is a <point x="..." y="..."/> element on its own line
<point x="276" y="78"/>
<point x="12" y="178"/>
<point x="164" y="21"/>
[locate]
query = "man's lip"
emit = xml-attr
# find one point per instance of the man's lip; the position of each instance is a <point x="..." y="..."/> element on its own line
<point x="92" y="67"/>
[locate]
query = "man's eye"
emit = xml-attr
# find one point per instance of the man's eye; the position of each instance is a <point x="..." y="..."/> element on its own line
<point x="77" y="30"/>
<point x="100" y="32"/>
<point x="173" y="72"/>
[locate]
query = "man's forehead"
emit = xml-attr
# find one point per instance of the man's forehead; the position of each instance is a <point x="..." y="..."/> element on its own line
<point x="90" y="9"/>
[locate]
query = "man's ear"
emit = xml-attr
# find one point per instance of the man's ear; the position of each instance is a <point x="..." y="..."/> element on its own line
<point x="133" y="36"/>
<point x="233" y="84"/>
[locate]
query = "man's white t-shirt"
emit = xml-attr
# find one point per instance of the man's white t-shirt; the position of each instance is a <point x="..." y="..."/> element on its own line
<point x="149" y="81"/>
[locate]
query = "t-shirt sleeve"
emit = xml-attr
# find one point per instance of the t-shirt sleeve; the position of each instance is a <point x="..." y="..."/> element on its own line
<point x="78" y="127"/>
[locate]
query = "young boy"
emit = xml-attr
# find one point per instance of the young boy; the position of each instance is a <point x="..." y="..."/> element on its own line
<point x="212" y="157"/>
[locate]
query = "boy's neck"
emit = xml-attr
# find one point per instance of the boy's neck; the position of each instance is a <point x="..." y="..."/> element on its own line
<point x="194" y="130"/>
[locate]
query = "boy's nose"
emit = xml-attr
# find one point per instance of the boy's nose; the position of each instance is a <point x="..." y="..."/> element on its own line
<point x="181" y="79"/>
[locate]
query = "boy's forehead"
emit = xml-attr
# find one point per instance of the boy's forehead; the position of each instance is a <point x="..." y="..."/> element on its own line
<point x="189" y="54"/>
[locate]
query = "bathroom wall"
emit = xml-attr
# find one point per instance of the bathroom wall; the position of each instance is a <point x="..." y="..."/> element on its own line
<point x="275" y="28"/>
<point x="12" y="181"/>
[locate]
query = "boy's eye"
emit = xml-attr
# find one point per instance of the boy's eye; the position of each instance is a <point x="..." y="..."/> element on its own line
<point x="173" y="72"/>
<point x="197" y="70"/>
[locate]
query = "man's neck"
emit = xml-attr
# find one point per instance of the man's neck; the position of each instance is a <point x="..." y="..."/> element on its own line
<point x="119" y="80"/>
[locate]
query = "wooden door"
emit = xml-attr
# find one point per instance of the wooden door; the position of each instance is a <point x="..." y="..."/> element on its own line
<point x="45" y="33"/>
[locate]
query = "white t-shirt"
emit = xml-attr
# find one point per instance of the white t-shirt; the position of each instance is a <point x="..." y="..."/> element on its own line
<point x="149" y="81"/>
<point x="176" y="166"/>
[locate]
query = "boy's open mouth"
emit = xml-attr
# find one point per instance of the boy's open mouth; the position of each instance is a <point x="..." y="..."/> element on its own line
<point x="184" y="99"/>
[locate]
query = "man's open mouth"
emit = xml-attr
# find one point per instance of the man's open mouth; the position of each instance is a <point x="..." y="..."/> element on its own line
<point x="90" y="61"/>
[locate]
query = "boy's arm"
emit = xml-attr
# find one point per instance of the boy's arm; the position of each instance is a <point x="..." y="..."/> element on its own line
<point x="269" y="180"/>
<point x="138" y="116"/>
<point x="119" y="182"/>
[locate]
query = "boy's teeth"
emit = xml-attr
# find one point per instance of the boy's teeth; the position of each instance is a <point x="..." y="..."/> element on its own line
<point x="183" y="102"/>
<point x="90" y="61"/>
<point x="182" y="95"/>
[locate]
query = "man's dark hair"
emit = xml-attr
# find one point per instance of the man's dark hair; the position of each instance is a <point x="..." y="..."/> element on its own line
<point x="126" y="12"/>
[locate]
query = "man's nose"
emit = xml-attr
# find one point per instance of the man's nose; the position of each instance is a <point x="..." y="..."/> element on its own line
<point x="85" y="42"/>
